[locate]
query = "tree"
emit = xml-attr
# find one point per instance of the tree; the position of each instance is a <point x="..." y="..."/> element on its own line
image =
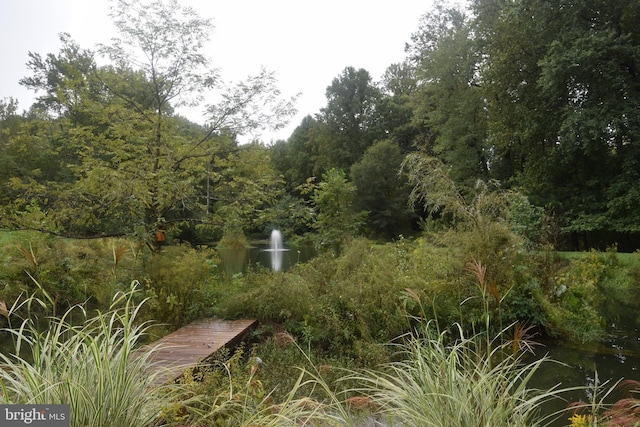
<point x="351" y="117"/>
<point x="396" y="107"/>
<point x="10" y="153"/>
<point x="449" y="102"/>
<point x="335" y="218"/>
<point x="381" y="190"/>
<point x="56" y="131"/>
<point x="296" y="158"/>
<point x="563" y="89"/>
<point x="358" y="113"/>
<point x="245" y="189"/>
<point x="135" y="165"/>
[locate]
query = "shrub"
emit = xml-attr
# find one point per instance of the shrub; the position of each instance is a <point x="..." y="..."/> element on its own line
<point x="572" y="307"/>
<point x="332" y="303"/>
<point x="271" y="298"/>
<point x="175" y="280"/>
<point x="335" y="218"/>
<point x="71" y="271"/>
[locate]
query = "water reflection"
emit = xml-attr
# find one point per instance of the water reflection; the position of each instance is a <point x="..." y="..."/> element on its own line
<point x="238" y="260"/>
<point x="276" y="250"/>
<point x="587" y="365"/>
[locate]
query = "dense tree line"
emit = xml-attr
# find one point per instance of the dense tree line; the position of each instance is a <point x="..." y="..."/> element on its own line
<point x="539" y="96"/>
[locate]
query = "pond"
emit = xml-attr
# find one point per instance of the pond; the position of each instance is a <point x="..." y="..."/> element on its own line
<point x="239" y="260"/>
<point x="615" y="358"/>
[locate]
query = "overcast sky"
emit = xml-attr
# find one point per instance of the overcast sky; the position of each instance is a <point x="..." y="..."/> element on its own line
<point x="307" y="43"/>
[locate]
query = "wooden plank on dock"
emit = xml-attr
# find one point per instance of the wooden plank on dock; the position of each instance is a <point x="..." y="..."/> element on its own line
<point x="191" y="344"/>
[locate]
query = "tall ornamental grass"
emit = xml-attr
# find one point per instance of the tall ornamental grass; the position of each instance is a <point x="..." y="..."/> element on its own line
<point x="92" y="364"/>
<point x="442" y="381"/>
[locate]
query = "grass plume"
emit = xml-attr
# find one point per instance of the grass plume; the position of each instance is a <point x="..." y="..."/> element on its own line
<point x="89" y="363"/>
<point x="442" y="381"/>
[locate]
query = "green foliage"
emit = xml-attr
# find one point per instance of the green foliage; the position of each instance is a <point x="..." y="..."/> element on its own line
<point x="399" y="83"/>
<point x="113" y="157"/>
<point x="573" y="308"/>
<point x="336" y="219"/>
<point x="619" y="286"/>
<point x="542" y="95"/>
<point x="332" y="305"/>
<point x="180" y="281"/>
<point x="282" y="360"/>
<point x="583" y="290"/>
<point x="524" y="304"/>
<point x="229" y="388"/>
<point x="448" y="379"/>
<point x="527" y="220"/>
<point x="343" y="309"/>
<point x="478" y="232"/>
<point x="451" y="103"/>
<point x="242" y="187"/>
<point x="340" y="303"/>
<point x="431" y="185"/>
<point x="300" y="157"/>
<point x="272" y="298"/>
<point x="370" y="292"/>
<point x="88" y="362"/>
<point x="382" y="191"/>
<point x="526" y="92"/>
<point x="175" y="280"/>
<point x="553" y="78"/>
<point x="350" y="118"/>
<point x="94" y="365"/>
<point x="72" y="271"/>
<point x="363" y="293"/>
<point x="291" y="215"/>
<point x="233" y="238"/>
<point x="229" y="391"/>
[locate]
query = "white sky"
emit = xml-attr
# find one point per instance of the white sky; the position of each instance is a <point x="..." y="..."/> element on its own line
<point x="307" y="43"/>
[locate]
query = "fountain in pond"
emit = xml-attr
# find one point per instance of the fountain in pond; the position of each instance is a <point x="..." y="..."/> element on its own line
<point x="275" y="241"/>
<point x="275" y="250"/>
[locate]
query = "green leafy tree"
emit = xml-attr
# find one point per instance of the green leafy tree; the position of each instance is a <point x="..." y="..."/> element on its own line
<point x="244" y="191"/>
<point x="396" y="106"/>
<point x="562" y="85"/>
<point x="19" y="153"/>
<point x="449" y="102"/>
<point x="296" y="157"/>
<point x="350" y="117"/>
<point x="56" y="132"/>
<point x="335" y="218"/>
<point x="382" y="191"/>
<point x="132" y="164"/>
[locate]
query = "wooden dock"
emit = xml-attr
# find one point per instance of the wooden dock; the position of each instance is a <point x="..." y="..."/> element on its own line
<point x="191" y="344"/>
